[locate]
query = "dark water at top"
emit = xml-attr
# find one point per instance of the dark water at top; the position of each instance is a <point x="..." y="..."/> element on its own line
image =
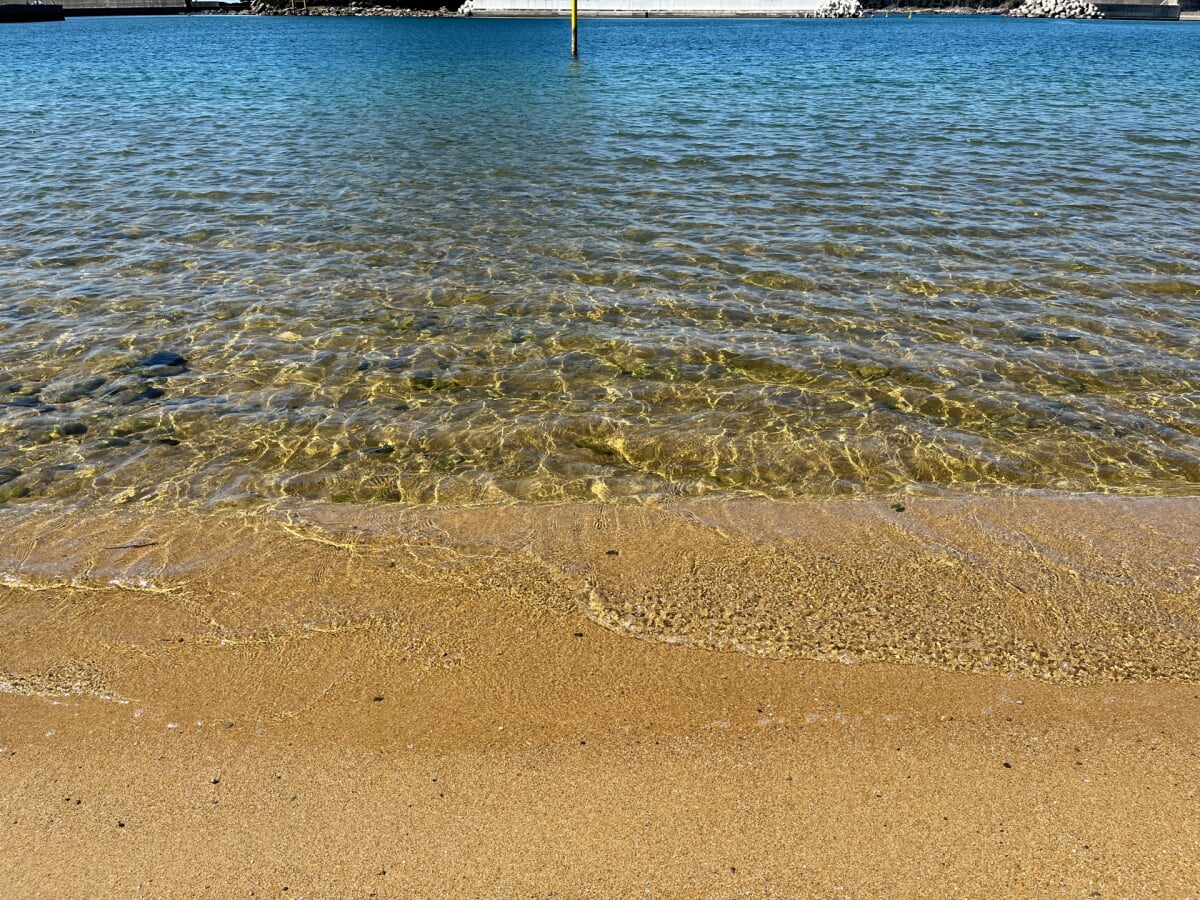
<point x="436" y="261"/>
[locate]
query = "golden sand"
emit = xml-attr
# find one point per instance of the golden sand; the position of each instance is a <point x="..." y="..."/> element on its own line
<point x="966" y="697"/>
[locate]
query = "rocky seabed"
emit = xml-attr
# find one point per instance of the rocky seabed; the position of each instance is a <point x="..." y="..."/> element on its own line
<point x="1057" y="9"/>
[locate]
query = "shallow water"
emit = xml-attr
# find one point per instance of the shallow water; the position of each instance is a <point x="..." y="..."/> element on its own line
<point x="436" y="261"/>
<point x="1071" y="590"/>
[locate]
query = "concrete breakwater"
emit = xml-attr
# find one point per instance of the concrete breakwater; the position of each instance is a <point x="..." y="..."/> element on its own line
<point x="73" y="8"/>
<point x="302" y="8"/>
<point x="31" y="12"/>
<point x="1141" y="9"/>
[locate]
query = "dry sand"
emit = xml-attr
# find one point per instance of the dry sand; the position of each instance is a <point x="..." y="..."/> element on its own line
<point x="975" y="697"/>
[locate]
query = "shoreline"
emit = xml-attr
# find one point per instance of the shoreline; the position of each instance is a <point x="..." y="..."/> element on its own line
<point x="399" y="12"/>
<point x="445" y="13"/>
<point x="1067" y="588"/>
<point x="354" y="699"/>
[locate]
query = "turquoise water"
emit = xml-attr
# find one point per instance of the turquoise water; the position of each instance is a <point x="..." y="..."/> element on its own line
<point x="438" y="261"/>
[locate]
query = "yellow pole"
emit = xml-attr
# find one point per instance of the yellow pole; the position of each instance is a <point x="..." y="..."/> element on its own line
<point x="574" y="27"/>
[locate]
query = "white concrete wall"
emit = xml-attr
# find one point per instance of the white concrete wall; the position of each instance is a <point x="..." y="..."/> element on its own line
<point x="641" y="7"/>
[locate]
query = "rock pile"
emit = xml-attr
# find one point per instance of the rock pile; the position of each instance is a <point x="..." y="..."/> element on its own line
<point x="839" y="9"/>
<point x="1057" y="9"/>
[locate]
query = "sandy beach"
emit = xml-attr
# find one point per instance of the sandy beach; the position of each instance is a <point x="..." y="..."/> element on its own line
<point x="969" y="697"/>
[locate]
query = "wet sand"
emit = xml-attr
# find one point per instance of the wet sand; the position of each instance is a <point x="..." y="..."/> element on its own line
<point x="967" y="697"/>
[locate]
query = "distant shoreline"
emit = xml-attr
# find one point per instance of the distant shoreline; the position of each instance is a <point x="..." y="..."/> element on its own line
<point x="400" y="12"/>
<point x="325" y="11"/>
<point x="363" y="8"/>
<point x="396" y="12"/>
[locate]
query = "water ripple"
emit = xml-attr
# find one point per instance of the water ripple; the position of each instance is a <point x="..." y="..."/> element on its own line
<point x="435" y="261"/>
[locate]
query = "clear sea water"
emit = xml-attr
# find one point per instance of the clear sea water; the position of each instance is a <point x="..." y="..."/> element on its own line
<point x="438" y="261"/>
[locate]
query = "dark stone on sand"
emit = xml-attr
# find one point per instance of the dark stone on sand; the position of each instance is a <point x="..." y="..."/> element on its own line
<point x="7" y="474"/>
<point x="447" y="462"/>
<point x="13" y="492"/>
<point x="150" y="393"/>
<point x="599" y="448"/>
<point x="78" y="390"/>
<point x="132" y="389"/>
<point x="1039" y="336"/>
<point x="21" y="388"/>
<point x="162" y="364"/>
<point x="163" y="358"/>
<point x="135" y="427"/>
<point x="164" y="371"/>
<point x="71" y="429"/>
<point x="872" y="371"/>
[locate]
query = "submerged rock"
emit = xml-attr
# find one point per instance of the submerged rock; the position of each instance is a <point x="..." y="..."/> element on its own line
<point x="162" y="364"/>
<point x="132" y="389"/>
<point x="13" y="492"/>
<point x="76" y="391"/>
<point x="21" y="389"/>
<point x="28" y="402"/>
<point x="163" y="358"/>
<point x="872" y="371"/>
<point x="150" y="393"/>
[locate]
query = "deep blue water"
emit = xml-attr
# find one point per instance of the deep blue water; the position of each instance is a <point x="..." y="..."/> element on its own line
<point x="438" y="260"/>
